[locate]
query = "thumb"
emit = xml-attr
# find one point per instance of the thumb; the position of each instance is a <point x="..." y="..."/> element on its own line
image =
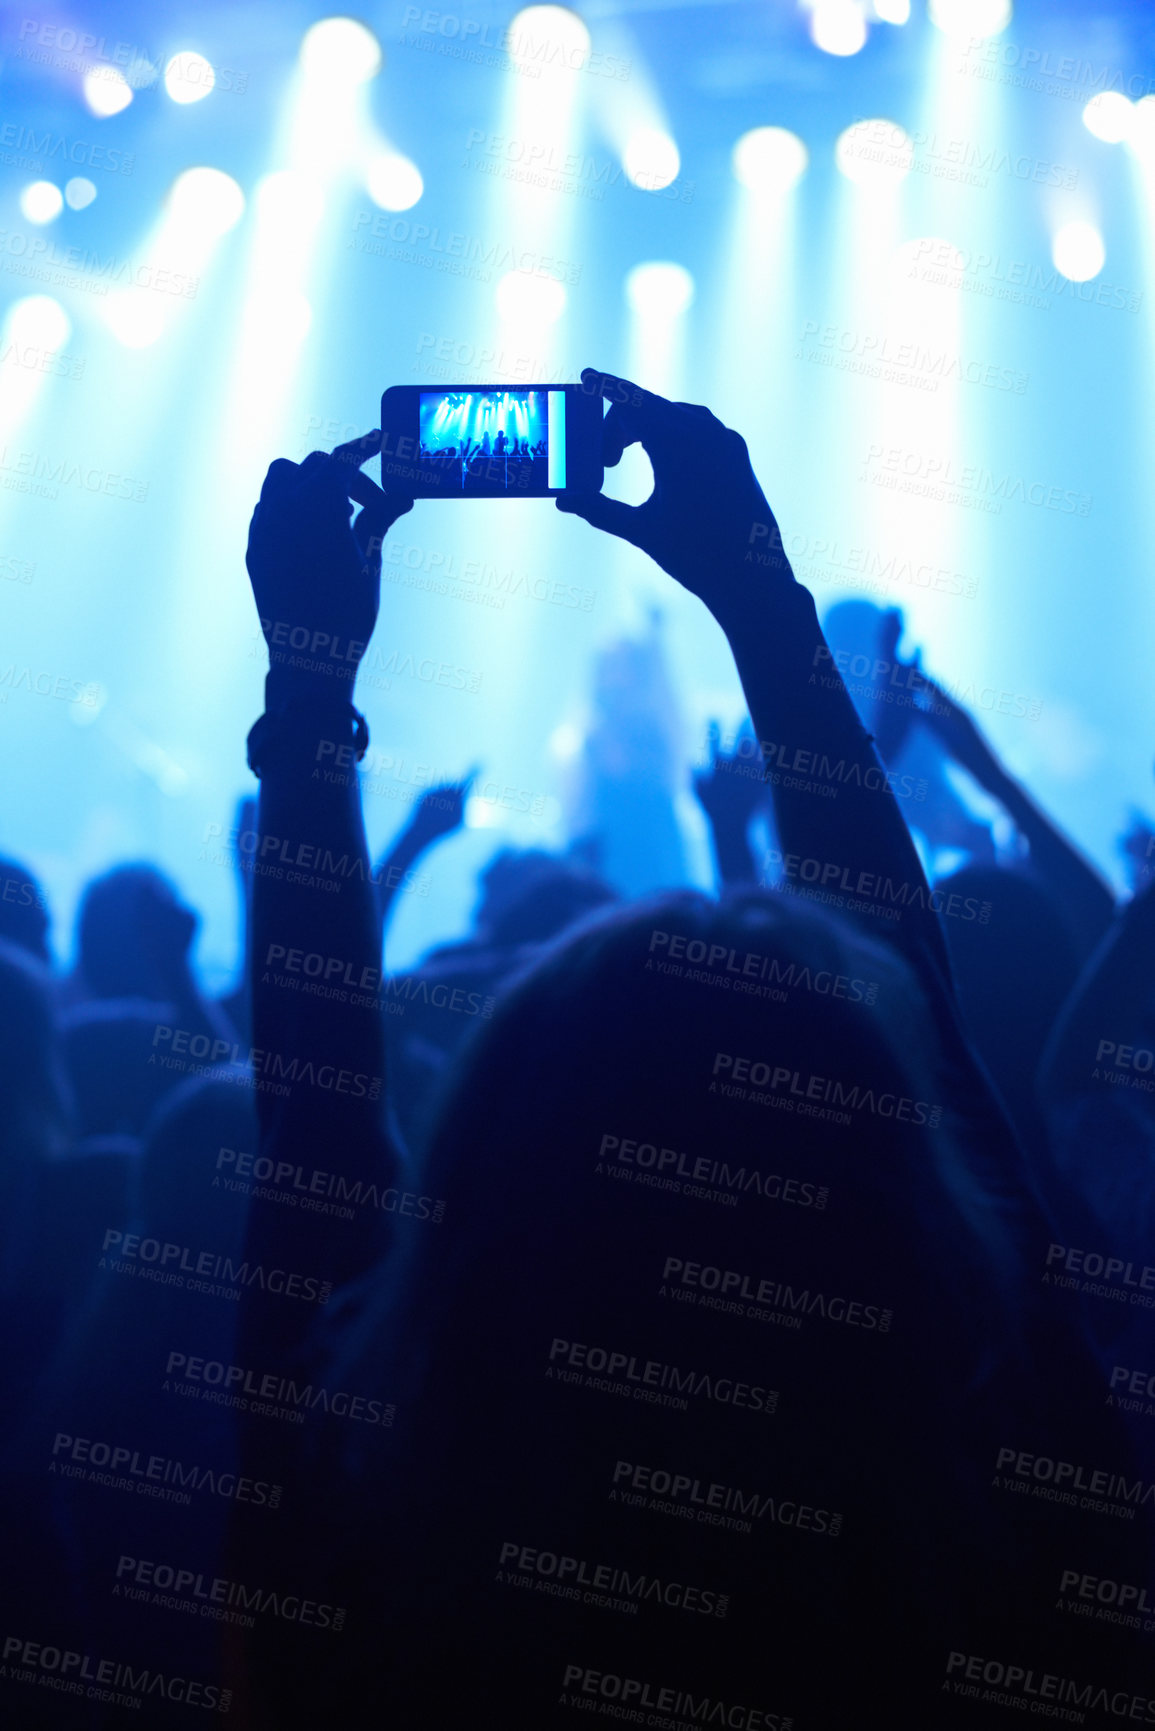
<point x="378" y="514"/>
<point x="625" y="521"/>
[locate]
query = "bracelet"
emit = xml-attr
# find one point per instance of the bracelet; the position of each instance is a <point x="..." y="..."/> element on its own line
<point x="295" y="733"/>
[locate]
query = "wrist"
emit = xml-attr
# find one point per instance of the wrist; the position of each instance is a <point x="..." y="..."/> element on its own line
<point x="314" y="689"/>
<point x="752" y="601"/>
<point x="305" y="726"/>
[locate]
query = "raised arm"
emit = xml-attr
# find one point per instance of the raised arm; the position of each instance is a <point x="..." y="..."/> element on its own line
<point x="708" y="524"/>
<point x="439" y="812"/>
<point x="318" y="1054"/>
<point x="1082" y="896"/>
<point x="730" y="792"/>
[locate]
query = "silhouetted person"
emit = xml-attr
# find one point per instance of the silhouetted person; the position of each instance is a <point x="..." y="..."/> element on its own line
<point x="24" y="917"/>
<point x="559" y="1333"/>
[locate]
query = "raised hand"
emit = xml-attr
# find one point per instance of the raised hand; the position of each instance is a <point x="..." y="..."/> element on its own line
<point x="707" y="517"/>
<point x="730" y="791"/>
<point x="440" y="811"/>
<point x="316" y="576"/>
<point x="960" y="735"/>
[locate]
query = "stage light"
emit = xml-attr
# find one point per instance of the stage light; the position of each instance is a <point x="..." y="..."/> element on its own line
<point x="651" y="159"/>
<point x="79" y="193"/>
<point x="1078" y="252"/>
<point x="285" y="316"/>
<point x="287" y="201"/>
<point x="106" y="91"/>
<point x="769" y="159"/>
<point x="970" y="20"/>
<point x="892" y="11"/>
<point x="874" y="153"/>
<point x="41" y="202"/>
<point x="135" y="318"/>
<point x="838" y="27"/>
<point x="551" y="34"/>
<point x="1108" y="116"/>
<point x="206" y="201"/>
<point x="394" y="182"/>
<point x="531" y="300"/>
<point x="39" y="321"/>
<point x="340" y="51"/>
<point x="659" y="290"/>
<point x="913" y="257"/>
<point x="188" y="77"/>
<point x="1141" y="130"/>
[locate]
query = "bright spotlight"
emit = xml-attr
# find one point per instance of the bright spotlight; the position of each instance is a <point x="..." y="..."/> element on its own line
<point x="966" y="20"/>
<point x="1108" y="116"/>
<point x="892" y="11"/>
<point x="651" y="160"/>
<point x="838" y="26"/>
<point x="394" y="182"/>
<point x="288" y="200"/>
<point x="769" y="159"/>
<point x="285" y="316"/>
<point x="1078" y="252"/>
<point x="135" y="318"/>
<point x="39" y="321"/>
<point x="41" y="201"/>
<point x="188" y="77"/>
<point x="532" y="300"/>
<point x="1141" y="132"/>
<point x="929" y="252"/>
<point x="206" y="201"/>
<point x="551" y="34"/>
<point x="341" y="51"/>
<point x="874" y="153"/>
<point x="79" y="193"/>
<point x="659" y="290"/>
<point x="106" y="91"/>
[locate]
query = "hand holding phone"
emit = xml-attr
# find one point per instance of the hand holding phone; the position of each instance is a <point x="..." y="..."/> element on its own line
<point x="491" y="441"/>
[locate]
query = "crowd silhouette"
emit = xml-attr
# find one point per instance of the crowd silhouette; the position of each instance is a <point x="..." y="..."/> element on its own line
<point x="668" y="1308"/>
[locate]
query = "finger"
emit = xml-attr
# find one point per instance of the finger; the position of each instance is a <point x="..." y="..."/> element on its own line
<point x="619" y="429"/>
<point x="365" y="491"/>
<point x="370" y="525"/>
<point x="358" y="451"/>
<point x="714" y="741"/>
<point x="623" y="392"/>
<point x="277" y="479"/>
<point x="608" y="514"/>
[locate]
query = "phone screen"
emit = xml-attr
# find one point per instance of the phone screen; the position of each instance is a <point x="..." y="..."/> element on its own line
<point x="491" y="441"/>
<point x="511" y="440"/>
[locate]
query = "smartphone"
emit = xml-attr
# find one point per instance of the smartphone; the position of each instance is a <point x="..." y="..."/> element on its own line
<point x="491" y="441"/>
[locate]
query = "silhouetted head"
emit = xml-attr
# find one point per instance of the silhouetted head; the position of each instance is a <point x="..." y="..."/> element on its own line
<point x="134" y="934"/>
<point x="754" y="1029"/>
<point x="34" y="1103"/>
<point x="530" y="896"/>
<point x="23" y="910"/>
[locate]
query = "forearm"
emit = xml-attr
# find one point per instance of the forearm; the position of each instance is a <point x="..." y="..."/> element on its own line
<point x="733" y="856"/>
<point x="1083" y="897"/>
<point x="837" y="817"/>
<point x="392" y="872"/>
<point x="317" y="1031"/>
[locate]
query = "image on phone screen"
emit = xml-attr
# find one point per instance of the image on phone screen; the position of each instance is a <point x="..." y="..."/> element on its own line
<point x="492" y="442"/>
